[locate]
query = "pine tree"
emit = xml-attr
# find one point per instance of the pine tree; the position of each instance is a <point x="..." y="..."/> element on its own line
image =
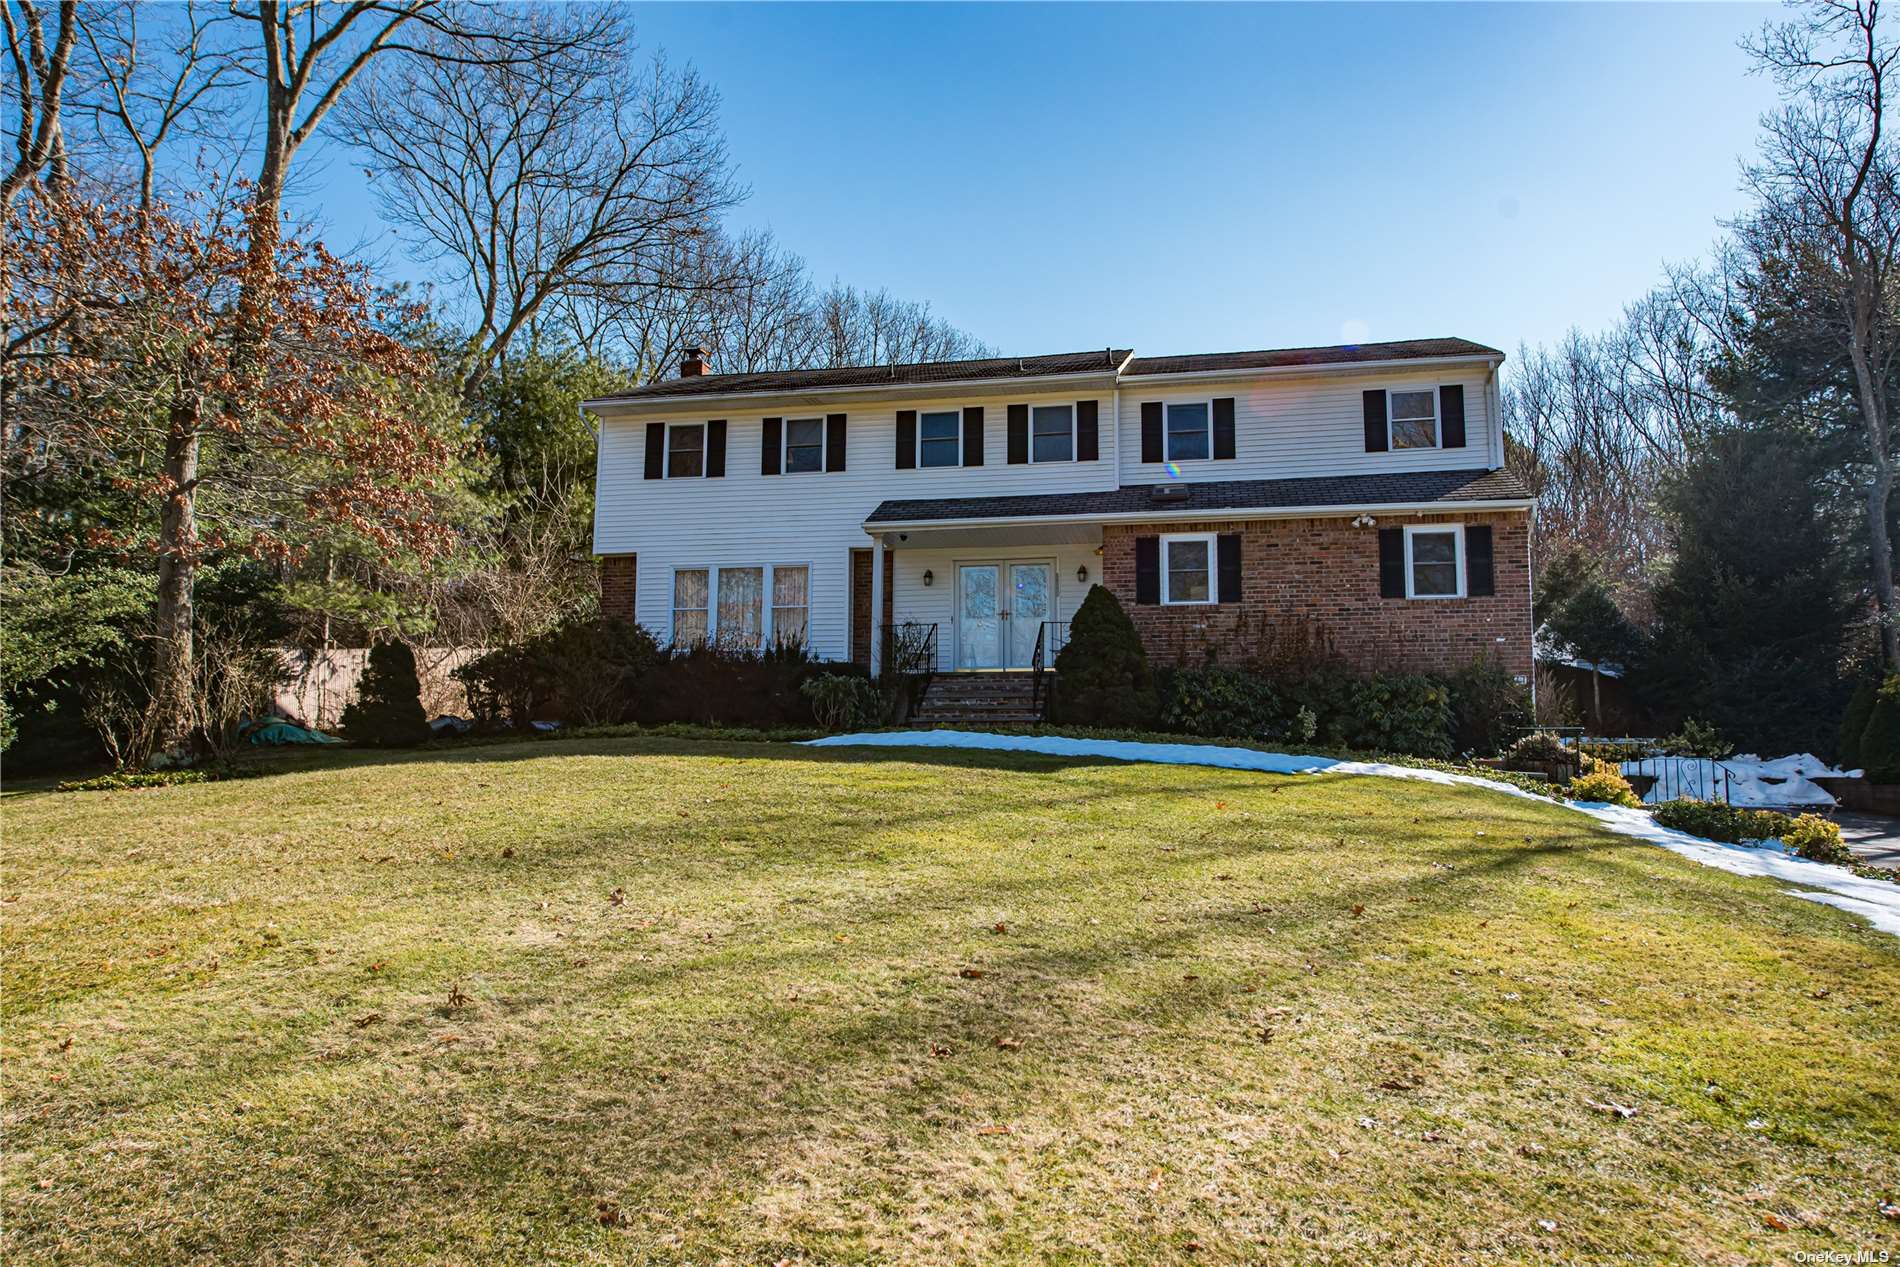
<point x="388" y="708"/>
<point x="1860" y="710"/>
<point x="1102" y="675"/>
<point x="1880" y="744"/>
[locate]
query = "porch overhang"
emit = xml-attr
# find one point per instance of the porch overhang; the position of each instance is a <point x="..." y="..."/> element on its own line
<point x="1405" y="493"/>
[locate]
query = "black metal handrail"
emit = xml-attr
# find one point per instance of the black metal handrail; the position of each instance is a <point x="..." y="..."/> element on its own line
<point x="1051" y="637"/>
<point x="1678" y="777"/>
<point x="910" y="648"/>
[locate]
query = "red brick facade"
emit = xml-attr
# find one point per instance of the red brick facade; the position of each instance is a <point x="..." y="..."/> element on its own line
<point x="1325" y="573"/>
<point x="861" y="601"/>
<point x="618" y="582"/>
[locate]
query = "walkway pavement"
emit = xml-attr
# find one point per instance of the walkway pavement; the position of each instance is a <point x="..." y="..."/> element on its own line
<point x="1874" y="837"/>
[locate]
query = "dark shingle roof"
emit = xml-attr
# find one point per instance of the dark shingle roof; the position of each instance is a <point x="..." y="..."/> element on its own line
<point x="1102" y="360"/>
<point x="1277" y="358"/>
<point x="1404" y="488"/>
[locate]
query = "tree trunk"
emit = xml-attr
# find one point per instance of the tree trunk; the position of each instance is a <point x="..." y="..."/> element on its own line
<point x="177" y="567"/>
<point x="1873" y="410"/>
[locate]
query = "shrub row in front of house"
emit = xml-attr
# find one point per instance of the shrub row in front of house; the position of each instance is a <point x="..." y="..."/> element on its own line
<point x="1103" y="679"/>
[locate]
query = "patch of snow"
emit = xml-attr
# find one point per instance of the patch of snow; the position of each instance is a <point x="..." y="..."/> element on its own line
<point x="1784" y="782"/>
<point x="1877" y="901"/>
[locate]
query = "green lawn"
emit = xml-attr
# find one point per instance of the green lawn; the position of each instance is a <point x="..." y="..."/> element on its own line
<point x="650" y="1001"/>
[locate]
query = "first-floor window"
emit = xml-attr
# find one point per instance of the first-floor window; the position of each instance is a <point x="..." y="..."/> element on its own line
<point x="1052" y="433"/>
<point x="791" y="604"/>
<point x="747" y="607"/>
<point x="1434" y="566"/>
<point x="940" y="439"/>
<point x="741" y="614"/>
<point x="685" y="451"/>
<point x="804" y="444"/>
<point x="690" y="590"/>
<point x="1187" y="569"/>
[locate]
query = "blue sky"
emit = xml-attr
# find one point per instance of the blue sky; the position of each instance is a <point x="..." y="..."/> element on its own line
<point x="1212" y="177"/>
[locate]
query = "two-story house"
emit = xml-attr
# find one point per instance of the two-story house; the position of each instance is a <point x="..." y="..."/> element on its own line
<point x="1358" y="491"/>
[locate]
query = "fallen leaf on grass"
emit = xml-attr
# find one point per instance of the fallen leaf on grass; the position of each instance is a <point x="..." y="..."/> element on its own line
<point x="607" y="1214"/>
<point x="972" y="974"/>
<point x="66" y="1043"/>
<point x="1009" y="1044"/>
<point x="996" y="1128"/>
<point x="363" y="1022"/>
<point x="941" y="1050"/>
<point x="1358" y="909"/>
<point x="1612" y="1107"/>
<point x="1000" y="926"/>
<point x="378" y="966"/>
<point x="1777" y="1222"/>
<point x="508" y="851"/>
<point x="1890" y="1209"/>
<point x="618" y="897"/>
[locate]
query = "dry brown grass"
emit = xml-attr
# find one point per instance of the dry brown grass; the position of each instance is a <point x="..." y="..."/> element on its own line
<point x="390" y="1010"/>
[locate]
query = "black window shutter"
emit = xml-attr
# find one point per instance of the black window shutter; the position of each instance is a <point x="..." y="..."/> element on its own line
<point x="1151" y="431"/>
<point x="715" y="448"/>
<point x="1088" y="432"/>
<point x="973" y="435"/>
<point x="1224" y="428"/>
<point x="906" y="439"/>
<point x="1479" y="580"/>
<point x="771" y="445"/>
<point x="1451" y="415"/>
<point x="834" y="442"/>
<point x="1391" y="563"/>
<point x="1147" y="570"/>
<point x="1375" y="424"/>
<point x="1228" y="552"/>
<point x="656" y="450"/>
<point x="1018" y="433"/>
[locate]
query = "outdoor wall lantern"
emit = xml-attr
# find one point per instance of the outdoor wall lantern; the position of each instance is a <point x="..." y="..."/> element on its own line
<point x="1082" y="575"/>
<point x="928" y="578"/>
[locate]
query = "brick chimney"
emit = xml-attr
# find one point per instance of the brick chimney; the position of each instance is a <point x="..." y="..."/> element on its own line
<point x="693" y="364"/>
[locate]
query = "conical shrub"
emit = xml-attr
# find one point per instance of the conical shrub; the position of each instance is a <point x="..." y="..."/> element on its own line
<point x="388" y="708"/>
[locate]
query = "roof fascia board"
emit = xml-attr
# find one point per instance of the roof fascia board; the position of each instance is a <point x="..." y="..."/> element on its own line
<point x="1328" y="367"/>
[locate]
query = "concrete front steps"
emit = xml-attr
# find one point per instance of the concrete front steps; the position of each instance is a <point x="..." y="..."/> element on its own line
<point x="981" y="699"/>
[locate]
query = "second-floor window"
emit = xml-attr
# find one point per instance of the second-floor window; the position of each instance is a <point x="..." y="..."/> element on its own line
<point x="940" y="439"/>
<point x="1413" y="419"/>
<point x="685" y="451"/>
<point x="1189" y="425"/>
<point x="804" y="444"/>
<point x="1052" y="433"/>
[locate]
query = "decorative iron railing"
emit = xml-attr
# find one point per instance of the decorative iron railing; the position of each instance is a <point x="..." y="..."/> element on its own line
<point x="910" y="649"/>
<point x="1051" y="637"/>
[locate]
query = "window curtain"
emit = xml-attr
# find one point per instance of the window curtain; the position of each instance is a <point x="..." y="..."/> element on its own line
<point x="741" y="606"/>
<point x="689" y="607"/>
<point x="791" y="604"/>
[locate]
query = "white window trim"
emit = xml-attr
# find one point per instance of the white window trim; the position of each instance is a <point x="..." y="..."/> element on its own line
<point x="712" y="598"/>
<point x="1438" y="422"/>
<point x="1213" y="569"/>
<point x="666" y="467"/>
<point x="1073" y="437"/>
<point x="785" y="446"/>
<point x="958" y="433"/>
<point x="1167" y="432"/>
<point x="1457" y="532"/>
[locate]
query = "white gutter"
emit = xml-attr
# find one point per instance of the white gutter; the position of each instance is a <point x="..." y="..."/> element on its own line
<point x="1119" y="374"/>
<point x="1201" y="514"/>
<point x="948" y="387"/>
<point x="1321" y="367"/>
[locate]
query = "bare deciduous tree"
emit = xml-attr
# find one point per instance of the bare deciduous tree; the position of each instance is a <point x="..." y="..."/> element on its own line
<point x="582" y="178"/>
<point x="1827" y="187"/>
<point x="40" y="67"/>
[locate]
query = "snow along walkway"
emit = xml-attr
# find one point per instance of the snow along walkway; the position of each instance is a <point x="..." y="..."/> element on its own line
<point x="1875" y="900"/>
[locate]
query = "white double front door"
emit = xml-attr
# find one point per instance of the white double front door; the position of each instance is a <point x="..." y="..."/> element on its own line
<point x="1000" y="611"/>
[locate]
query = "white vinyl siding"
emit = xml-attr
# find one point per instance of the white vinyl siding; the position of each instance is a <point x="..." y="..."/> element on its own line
<point x="748" y="520"/>
<point x="1304" y="427"/>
